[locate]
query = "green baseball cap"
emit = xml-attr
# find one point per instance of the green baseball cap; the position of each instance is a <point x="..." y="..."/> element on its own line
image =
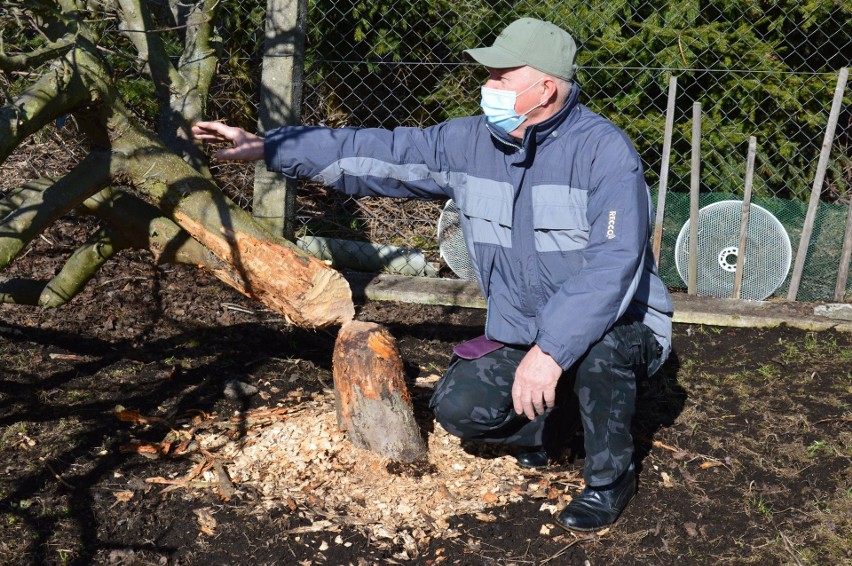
<point x="536" y="43"/>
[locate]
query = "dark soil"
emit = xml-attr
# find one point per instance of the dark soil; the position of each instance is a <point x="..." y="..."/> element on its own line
<point x="745" y="440"/>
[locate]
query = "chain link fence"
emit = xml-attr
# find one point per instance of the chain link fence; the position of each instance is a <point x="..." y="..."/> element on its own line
<point x="758" y="70"/>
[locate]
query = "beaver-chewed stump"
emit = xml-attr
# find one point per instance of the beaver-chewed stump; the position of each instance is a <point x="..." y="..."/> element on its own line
<point x="373" y="402"/>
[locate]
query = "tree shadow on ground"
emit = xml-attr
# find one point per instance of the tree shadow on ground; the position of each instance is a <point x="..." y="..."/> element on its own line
<point x="73" y="402"/>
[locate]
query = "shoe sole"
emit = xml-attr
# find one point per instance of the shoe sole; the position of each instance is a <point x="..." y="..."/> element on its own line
<point x="582" y="530"/>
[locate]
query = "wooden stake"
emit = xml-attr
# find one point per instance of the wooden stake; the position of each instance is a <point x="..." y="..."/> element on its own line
<point x="845" y="256"/>
<point x="694" y="186"/>
<point x="741" y="247"/>
<point x="664" y="168"/>
<point x="816" y="190"/>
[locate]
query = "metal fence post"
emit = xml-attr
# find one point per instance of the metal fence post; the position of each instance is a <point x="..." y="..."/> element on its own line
<point x="274" y="201"/>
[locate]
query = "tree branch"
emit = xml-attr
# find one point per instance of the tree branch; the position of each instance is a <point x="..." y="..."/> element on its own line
<point x="39" y="205"/>
<point x="138" y="25"/>
<point x="83" y="264"/>
<point x="53" y="95"/>
<point x="132" y="223"/>
<point x="167" y="80"/>
<point x="146" y="228"/>
<point x="277" y="273"/>
<point x="197" y="65"/>
<point x="53" y="50"/>
<point x="198" y="61"/>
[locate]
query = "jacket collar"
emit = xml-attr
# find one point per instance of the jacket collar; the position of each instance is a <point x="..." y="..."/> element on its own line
<point x="542" y="131"/>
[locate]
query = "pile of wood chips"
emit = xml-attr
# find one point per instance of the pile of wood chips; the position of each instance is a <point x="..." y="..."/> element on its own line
<point x="298" y="457"/>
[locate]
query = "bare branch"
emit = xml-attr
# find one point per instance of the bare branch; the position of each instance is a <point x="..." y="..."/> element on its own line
<point x="53" y="95"/>
<point x="14" y="198"/>
<point x="144" y="226"/>
<point x="83" y="264"/>
<point x="197" y="65"/>
<point x="131" y="222"/>
<point x="137" y="17"/>
<point x="198" y="61"/>
<point x="42" y="203"/>
<point x="278" y="273"/>
<point x="53" y="50"/>
<point x="45" y="17"/>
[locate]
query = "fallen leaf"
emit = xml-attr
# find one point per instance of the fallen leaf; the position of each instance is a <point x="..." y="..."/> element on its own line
<point x="123" y="496"/>
<point x="690" y="529"/>
<point x="26" y="442"/>
<point x="707" y="465"/>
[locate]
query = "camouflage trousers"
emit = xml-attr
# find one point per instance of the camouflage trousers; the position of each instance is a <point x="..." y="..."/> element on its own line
<point x="473" y="400"/>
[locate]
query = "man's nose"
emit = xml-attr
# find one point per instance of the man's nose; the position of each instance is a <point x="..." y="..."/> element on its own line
<point x="491" y="83"/>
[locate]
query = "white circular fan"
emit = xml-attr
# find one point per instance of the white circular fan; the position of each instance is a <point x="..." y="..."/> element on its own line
<point x="767" y="254"/>
<point x="451" y="242"/>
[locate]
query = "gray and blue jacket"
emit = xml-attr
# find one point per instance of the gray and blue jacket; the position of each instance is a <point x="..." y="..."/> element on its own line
<point x="557" y="224"/>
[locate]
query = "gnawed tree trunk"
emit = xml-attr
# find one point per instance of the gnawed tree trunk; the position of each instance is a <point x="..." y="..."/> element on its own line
<point x="153" y="190"/>
<point x="373" y="402"/>
<point x="165" y="167"/>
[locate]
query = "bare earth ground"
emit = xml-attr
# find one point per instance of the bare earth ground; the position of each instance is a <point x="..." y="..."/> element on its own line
<point x="162" y="419"/>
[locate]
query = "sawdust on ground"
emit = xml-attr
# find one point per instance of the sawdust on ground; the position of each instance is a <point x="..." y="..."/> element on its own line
<point x="296" y="456"/>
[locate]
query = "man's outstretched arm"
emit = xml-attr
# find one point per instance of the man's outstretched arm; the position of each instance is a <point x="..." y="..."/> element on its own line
<point x="245" y="146"/>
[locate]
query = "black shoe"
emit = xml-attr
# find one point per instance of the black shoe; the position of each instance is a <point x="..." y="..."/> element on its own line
<point x="594" y="508"/>
<point x="534" y="459"/>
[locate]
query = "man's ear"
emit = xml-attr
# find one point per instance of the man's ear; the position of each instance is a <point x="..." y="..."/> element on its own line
<point x="551" y="92"/>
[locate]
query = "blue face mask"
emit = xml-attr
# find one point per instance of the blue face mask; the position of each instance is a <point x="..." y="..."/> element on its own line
<point x="499" y="107"/>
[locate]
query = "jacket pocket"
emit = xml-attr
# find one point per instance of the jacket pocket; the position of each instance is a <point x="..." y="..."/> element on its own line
<point x="488" y="220"/>
<point x="559" y="218"/>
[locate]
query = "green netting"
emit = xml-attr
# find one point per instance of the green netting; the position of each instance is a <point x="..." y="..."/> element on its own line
<point x="819" y="277"/>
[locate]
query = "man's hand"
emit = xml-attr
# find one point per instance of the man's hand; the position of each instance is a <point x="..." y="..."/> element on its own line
<point x="246" y="146"/>
<point x="535" y="383"/>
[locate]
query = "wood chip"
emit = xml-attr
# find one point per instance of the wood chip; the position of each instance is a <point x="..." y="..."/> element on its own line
<point x="296" y="457"/>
